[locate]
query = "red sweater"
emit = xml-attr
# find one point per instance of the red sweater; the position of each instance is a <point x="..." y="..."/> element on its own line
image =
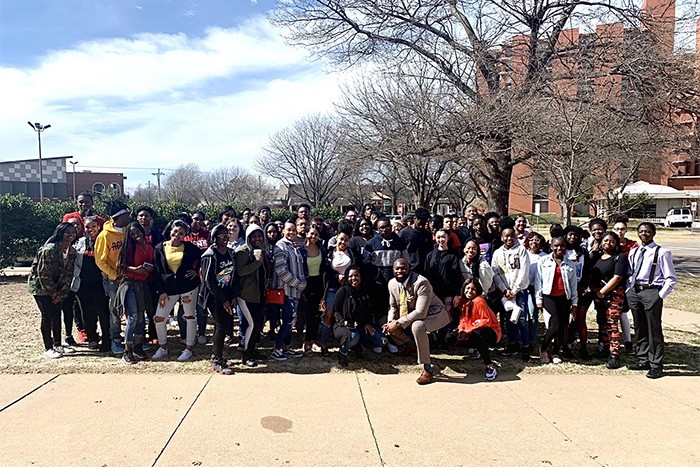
<point x="143" y="254"/>
<point x="481" y="316"/>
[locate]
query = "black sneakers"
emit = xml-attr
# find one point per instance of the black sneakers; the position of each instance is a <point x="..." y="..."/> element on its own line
<point x="139" y="353"/>
<point x="128" y="357"/>
<point x="613" y="363"/>
<point x="220" y="366"/>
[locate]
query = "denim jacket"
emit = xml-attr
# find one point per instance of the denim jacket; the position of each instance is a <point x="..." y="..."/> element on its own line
<point x="545" y="277"/>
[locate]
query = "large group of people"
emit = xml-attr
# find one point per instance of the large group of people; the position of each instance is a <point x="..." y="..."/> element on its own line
<point x="363" y="282"/>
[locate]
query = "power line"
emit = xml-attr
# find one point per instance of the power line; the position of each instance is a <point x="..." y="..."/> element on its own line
<point x="126" y="168"/>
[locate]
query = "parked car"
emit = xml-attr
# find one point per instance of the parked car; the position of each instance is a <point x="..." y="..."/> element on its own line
<point x="678" y="217"/>
<point x="395" y="218"/>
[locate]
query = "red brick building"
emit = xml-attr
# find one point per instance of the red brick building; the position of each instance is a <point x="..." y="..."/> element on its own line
<point x="95" y="182"/>
<point x="682" y="167"/>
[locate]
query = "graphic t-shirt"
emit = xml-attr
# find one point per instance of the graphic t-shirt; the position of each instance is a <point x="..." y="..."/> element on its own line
<point x="225" y="269"/>
<point x="200" y="239"/>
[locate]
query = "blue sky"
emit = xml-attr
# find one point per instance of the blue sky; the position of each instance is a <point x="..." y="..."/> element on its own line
<point x="151" y="84"/>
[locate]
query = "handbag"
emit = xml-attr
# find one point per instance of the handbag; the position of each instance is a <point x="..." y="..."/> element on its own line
<point x="274" y="296"/>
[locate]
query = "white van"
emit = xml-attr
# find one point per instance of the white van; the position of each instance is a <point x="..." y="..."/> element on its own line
<point x="678" y="216"/>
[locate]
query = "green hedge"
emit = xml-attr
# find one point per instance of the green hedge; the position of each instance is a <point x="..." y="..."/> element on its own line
<point x="26" y="224"/>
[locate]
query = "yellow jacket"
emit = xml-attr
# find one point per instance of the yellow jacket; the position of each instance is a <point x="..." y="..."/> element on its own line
<point x="108" y="245"/>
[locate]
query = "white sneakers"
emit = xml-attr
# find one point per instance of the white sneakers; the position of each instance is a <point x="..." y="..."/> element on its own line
<point x="185" y="355"/>
<point x="160" y="353"/>
<point x="64" y="349"/>
<point x="53" y="353"/>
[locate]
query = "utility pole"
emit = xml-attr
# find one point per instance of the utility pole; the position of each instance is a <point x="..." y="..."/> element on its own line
<point x="158" y="174"/>
<point x="74" y="164"/>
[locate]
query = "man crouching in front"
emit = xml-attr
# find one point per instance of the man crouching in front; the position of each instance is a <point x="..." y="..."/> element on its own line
<point x="414" y="307"/>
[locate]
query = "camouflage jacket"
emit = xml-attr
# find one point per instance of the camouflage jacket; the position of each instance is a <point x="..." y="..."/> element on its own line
<point x="50" y="274"/>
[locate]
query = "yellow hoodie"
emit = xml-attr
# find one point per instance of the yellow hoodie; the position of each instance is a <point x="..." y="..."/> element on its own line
<point x="108" y="245"/>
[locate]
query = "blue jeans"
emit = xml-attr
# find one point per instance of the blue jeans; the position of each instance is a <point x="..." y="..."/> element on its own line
<point x="135" y="322"/>
<point x="272" y="314"/>
<point x="522" y="331"/>
<point x="242" y="323"/>
<point x="534" y="315"/>
<point x="325" y="333"/>
<point x="115" y="319"/>
<point x="352" y="340"/>
<point x="289" y="312"/>
<point x="330" y="298"/>
<point x="373" y="341"/>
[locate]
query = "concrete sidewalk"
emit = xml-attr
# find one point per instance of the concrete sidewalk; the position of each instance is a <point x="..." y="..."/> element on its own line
<point x="348" y="419"/>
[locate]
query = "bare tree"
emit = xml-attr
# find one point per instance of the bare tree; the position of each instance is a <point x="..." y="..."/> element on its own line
<point x="147" y="193"/>
<point x="307" y="156"/>
<point x="456" y="38"/>
<point x="184" y="184"/>
<point x="460" y="191"/>
<point x="398" y="124"/>
<point x="387" y="181"/>
<point x="605" y="116"/>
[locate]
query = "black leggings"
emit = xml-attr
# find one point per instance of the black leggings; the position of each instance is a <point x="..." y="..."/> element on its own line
<point x="71" y="311"/>
<point x="95" y="307"/>
<point x="559" y="309"/>
<point x="481" y="339"/>
<point x="223" y="323"/>
<point x="50" y="321"/>
<point x="313" y="294"/>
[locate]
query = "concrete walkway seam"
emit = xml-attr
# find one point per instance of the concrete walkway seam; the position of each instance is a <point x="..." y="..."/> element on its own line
<point x="553" y="425"/>
<point x="29" y="393"/>
<point x="181" y="420"/>
<point x="661" y="393"/>
<point x="369" y="420"/>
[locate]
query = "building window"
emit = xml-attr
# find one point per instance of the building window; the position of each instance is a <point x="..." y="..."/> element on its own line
<point x="98" y="188"/>
<point x="115" y="188"/>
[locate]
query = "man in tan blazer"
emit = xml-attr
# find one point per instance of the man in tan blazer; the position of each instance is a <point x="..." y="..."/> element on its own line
<point x="413" y="306"/>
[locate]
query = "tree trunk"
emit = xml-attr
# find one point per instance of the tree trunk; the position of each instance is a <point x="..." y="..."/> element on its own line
<point x="497" y="170"/>
<point x="498" y="190"/>
<point x="566" y="209"/>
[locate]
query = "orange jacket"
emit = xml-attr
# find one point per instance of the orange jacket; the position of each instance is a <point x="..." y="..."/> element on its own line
<point x="481" y="316"/>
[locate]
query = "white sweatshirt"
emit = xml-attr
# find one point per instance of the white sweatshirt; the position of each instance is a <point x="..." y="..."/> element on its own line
<point x="511" y="268"/>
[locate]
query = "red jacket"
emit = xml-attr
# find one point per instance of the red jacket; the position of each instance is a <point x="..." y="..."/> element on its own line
<point x="481" y="316"/>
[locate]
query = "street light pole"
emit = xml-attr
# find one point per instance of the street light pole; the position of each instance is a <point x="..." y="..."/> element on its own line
<point x="39" y="128"/>
<point x="74" y="164"/>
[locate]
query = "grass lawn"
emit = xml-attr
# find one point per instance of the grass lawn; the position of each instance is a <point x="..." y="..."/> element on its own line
<point x="686" y="295"/>
<point x="21" y="351"/>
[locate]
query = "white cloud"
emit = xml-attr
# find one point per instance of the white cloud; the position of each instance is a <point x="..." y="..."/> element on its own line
<point x="159" y="100"/>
